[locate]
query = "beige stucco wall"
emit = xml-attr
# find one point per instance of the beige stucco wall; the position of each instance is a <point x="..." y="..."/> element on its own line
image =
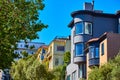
<point x="88" y="69"/>
<point x="103" y="58"/>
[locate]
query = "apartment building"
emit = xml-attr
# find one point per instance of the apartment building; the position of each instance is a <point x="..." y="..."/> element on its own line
<point x="41" y="52"/>
<point x="88" y="24"/>
<point x="56" y="50"/>
<point x="100" y="50"/>
<point x="29" y="47"/>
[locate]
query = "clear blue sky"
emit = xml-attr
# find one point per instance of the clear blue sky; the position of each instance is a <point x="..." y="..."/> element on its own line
<point x="57" y="14"/>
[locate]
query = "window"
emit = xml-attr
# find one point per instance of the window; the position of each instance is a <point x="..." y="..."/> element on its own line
<point x="82" y="71"/>
<point x="83" y="28"/>
<point x="79" y="47"/>
<point x="88" y="28"/>
<point x="43" y="50"/>
<point x="60" y="48"/>
<point x="93" y="52"/>
<point x="26" y="46"/>
<point x="96" y="52"/>
<point x="119" y="26"/>
<point x="74" y="75"/>
<point x="42" y="57"/>
<point x="102" y="48"/>
<point x="56" y="61"/>
<point x="21" y="45"/>
<point x="68" y="77"/>
<point x="79" y="27"/>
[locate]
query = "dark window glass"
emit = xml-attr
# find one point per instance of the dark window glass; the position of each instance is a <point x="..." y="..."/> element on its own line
<point x="43" y="50"/>
<point x="42" y="57"/>
<point x="56" y="61"/>
<point x="60" y="48"/>
<point x="26" y="45"/>
<point x="102" y="48"/>
<point x="79" y="47"/>
<point x="79" y="28"/>
<point x="119" y="26"/>
<point x="21" y="45"/>
<point x="68" y="77"/>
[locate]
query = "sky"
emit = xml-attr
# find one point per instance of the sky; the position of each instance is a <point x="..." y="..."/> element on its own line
<point x="57" y="15"/>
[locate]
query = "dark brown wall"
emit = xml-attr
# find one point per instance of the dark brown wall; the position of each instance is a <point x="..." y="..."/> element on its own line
<point x="113" y="44"/>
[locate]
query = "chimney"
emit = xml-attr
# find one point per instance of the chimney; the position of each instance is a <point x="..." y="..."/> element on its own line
<point x="118" y="13"/>
<point x="88" y="6"/>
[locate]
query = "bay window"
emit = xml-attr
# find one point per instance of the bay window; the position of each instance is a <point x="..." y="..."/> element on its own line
<point x="79" y="47"/>
<point x="83" y="28"/>
<point x="93" y="52"/>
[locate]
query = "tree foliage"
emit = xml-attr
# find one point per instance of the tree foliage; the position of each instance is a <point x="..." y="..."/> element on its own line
<point x="19" y="20"/>
<point x="67" y="57"/>
<point x="30" y="68"/>
<point x="109" y="71"/>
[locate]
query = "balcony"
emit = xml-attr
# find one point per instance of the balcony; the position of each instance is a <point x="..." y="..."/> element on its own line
<point x="79" y="59"/>
<point x="93" y="62"/>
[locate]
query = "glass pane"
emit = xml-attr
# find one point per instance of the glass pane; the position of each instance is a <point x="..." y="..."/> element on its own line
<point x="80" y="71"/>
<point x="68" y="77"/>
<point x="56" y="61"/>
<point x="79" y="27"/>
<point x="91" y="52"/>
<point x="43" y="50"/>
<point x="60" y="48"/>
<point x="96" y="52"/>
<point x="88" y="28"/>
<point x="78" y="49"/>
<point x="74" y="75"/>
<point x="102" y="47"/>
<point x="119" y="26"/>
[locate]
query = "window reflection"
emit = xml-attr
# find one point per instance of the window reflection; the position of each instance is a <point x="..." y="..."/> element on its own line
<point x="79" y="47"/>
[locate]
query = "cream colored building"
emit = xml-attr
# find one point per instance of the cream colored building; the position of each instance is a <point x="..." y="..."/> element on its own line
<point x="41" y="52"/>
<point x="56" y="50"/>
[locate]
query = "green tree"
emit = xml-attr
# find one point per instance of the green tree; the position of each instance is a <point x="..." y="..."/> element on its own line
<point x="67" y="58"/>
<point x="18" y="21"/>
<point x="60" y="71"/>
<point x="30" y="68"/>
<point x="24" y="54"/>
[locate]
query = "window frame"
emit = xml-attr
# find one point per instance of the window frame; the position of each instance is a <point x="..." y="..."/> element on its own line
<point x="82" y="54"/>
<point x="57" y="61"/>
<point x="94" y="55"/>
<point x="61" y="48"/>
<point x="90" y="29"/>
<point x="74" y="75"/>
<point x="102" y="49"/>
<point x="83" y="27"/>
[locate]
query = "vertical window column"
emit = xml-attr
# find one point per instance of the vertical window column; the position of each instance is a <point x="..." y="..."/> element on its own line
<point x="88" y="28"/>
<point x="79" y="48"/>
<point x="119" y="26"/>
<point x="79" y="28"/>
<point x="82" y="70"/>
<point x="102" y="49"/>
